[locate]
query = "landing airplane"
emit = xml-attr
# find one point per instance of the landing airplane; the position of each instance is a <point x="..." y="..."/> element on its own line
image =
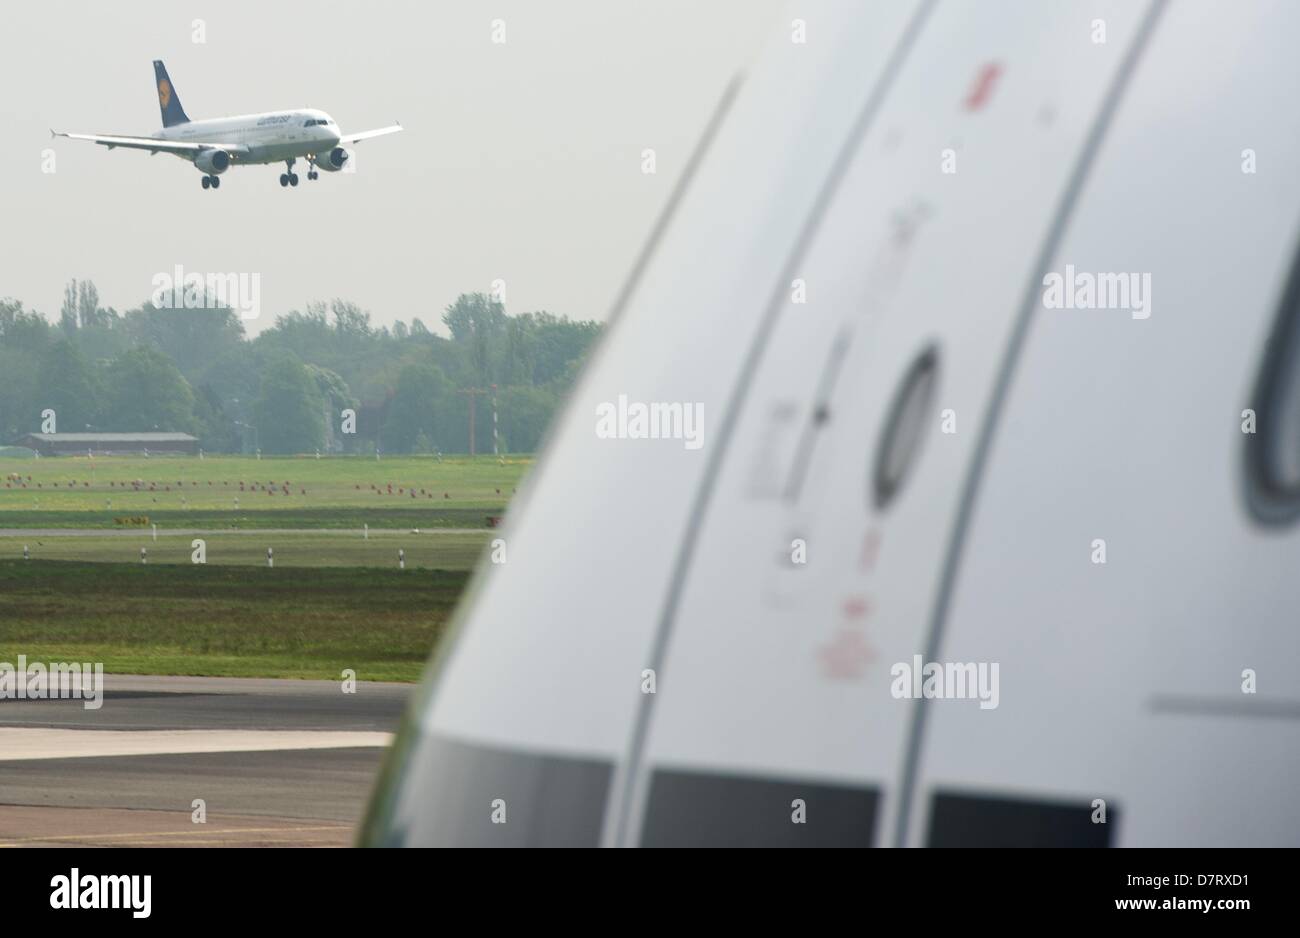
<point x="213" y="146"/>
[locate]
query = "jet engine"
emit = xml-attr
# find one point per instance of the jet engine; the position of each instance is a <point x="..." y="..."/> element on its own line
<point x="334" y="160"/>
<point x="213" y="162"/>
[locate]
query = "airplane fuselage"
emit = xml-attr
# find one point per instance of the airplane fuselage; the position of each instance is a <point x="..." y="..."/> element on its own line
<point x="272" y="137"/>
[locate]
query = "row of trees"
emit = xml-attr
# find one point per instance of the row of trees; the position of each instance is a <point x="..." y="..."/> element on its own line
<point x="294" y="387"/>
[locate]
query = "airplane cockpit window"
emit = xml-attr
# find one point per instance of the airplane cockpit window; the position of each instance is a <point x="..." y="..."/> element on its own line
<point x="965" y="819"/>
<point x="905" y="429"/>
<point x="1272" y="433"/>
<point x="689" y="808"/>
<point x="558" y="801"/>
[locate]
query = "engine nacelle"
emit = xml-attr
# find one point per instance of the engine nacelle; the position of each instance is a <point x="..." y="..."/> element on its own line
<point x="212" y="162"/>
<point x="334" y="160"/>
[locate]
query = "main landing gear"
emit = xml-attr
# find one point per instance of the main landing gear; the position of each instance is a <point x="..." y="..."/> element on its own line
<point x="211" y="182"/>
<point x="290" y="178"/>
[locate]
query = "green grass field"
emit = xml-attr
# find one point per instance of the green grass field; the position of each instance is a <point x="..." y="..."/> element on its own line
<point x="439" y="550"/>
<point x="335" y="598"/>
<point x="239" y="621"/>
<point x="331" y="492"/>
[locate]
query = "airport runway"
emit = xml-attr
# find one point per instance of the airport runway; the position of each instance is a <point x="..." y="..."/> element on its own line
<point x="275" y="762"/>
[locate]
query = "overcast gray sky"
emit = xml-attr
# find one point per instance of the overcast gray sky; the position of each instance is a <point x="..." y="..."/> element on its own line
<point x="520" y="161"/>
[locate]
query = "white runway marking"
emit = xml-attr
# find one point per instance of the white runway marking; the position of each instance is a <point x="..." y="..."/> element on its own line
<point x="22" y="744"/>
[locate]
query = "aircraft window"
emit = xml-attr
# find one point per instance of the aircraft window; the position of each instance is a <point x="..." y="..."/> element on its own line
<point x="689" y="809"/>
<point x="446" y="795"/>
<point x="910" y="416"/>
<point x="984" y="821"/>
<point x="1273" y="449"/>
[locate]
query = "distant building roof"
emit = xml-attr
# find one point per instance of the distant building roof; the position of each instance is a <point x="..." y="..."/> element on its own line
<point x="112" y="437"/>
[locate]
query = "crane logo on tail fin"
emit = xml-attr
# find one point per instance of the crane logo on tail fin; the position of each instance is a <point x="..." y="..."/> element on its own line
<point x="164" y="92"/>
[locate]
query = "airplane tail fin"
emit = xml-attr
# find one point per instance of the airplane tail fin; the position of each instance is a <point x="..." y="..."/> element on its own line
<point x="168" y="102"/>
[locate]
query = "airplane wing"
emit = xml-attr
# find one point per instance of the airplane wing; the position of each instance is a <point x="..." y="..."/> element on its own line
<point x="367" y="134"/>
<point x="154" y="144"/>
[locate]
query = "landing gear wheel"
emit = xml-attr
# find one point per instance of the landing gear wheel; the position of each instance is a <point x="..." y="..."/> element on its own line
<point x="216" y="182"/>
<point x="207" y="181"/>
<point x="293" y="179"/>
<point x="313" y="175"/>
<point x="284" y="179"/>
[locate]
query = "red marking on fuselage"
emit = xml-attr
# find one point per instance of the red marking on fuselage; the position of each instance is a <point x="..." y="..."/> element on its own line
<point x="845" y="658"/>
<point x="870" y="548"/>
<point x="855" y="607"/>
<point x="982" y="89"/>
